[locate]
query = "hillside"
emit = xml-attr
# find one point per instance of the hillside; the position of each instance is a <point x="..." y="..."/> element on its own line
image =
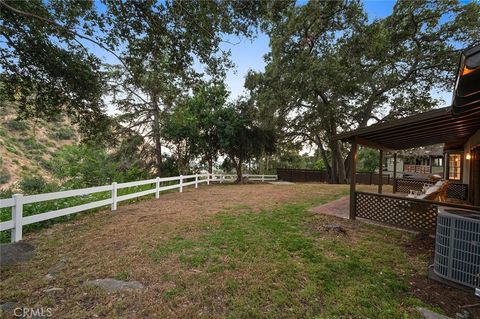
<point x="26" y="146"/>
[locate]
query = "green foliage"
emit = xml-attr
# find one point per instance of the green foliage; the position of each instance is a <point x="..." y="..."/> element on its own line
<point x="16" y="125"/>
<point x="44" y="68"/>
<point x="320" y="165"/>
<point x="122" y="275"/>
<point x="82" y="166"/>
<point x="31" y="143"/>
<point x="4" y="176"/>
<point x="129" y="158"/>
<point x="240" y="137"/>
<point x="368" y="160"/>
<point x="64" y="133"/>
<point x="86" y="165"/>
<point x="36" y="185"/>
<point x="192" y="127"/>
<point x="11" y="149"/>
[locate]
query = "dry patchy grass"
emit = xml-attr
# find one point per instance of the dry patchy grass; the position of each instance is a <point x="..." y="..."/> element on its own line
<point x="221" y="251"/>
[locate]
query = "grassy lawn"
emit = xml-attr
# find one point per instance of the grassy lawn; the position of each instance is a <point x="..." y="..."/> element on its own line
<point x="245" y="259"/>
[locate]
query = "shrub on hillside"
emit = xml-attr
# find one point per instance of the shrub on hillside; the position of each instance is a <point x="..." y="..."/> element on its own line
<point x="32" y="143"/>
<point x="36" y="185"/>
<point x="16" y="125"/>
<point x="82" y="166"/>
<point x="11" y="149"/>
<point x="64" y="133"/>
<point x="4" y="176"/>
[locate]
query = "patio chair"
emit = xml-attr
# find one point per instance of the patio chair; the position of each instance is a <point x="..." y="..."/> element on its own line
<point x="442" y="194"/>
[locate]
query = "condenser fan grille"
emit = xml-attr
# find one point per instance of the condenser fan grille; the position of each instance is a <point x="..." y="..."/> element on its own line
<point x="457" y="249"/>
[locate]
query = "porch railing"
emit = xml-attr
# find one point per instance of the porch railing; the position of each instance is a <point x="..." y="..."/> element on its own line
<point x="411" y="168"/>
<point x="409" y="213"/>
<point x="404" y="185"/>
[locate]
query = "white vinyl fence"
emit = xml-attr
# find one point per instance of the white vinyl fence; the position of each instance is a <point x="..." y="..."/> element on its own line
<point x="18" y="200"/>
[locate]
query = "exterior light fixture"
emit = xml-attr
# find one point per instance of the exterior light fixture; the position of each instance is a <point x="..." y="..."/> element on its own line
<point x="468" y="156"/>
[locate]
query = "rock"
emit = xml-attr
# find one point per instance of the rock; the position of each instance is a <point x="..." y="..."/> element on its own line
<point x="463" y="315"/>
<point x="336" y="228"/>
<point x="113" y="285"/>
<point x="14" y="253"/>
<point x="428" y="314"/>
<point x="7" y="308"/>
<point x="57" y="267"/>
<point x="48" y="277"/>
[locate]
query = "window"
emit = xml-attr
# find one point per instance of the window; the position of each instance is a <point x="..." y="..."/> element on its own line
<point x="454" y="166"/>
<point x="438" y="162"/>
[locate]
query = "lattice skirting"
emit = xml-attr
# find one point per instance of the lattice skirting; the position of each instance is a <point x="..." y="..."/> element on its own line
<point x="457" y="191"/>
<point x="397" y="212"/>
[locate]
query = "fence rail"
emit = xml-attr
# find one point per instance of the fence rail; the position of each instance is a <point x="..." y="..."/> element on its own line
<point x="17" y="202"/>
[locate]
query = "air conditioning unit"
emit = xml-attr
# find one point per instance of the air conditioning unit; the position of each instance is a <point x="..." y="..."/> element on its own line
<point x="457" y="247"/>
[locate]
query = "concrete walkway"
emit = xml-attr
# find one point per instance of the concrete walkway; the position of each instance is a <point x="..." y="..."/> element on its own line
<point x="338" y="208"/>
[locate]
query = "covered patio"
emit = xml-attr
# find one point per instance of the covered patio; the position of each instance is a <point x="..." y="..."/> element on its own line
<point x="411" y="205"/>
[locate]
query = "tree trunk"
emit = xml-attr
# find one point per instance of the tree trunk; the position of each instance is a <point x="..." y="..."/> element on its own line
<point x="238" y="168"/>
<point x="323" y="154"/>
<point x="342" y="178"/>
<point x="210" y="165"/>
<point x="157" y="139"/>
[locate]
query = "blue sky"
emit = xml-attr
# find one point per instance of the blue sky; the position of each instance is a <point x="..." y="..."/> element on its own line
<point x="249" y="54"/>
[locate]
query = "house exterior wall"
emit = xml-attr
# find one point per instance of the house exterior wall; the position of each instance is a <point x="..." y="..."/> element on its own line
<point x="473" y="141"/>
<point x="399" y="164"/>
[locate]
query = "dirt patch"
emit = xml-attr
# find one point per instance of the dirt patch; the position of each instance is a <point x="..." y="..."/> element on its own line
<point x="447" y="298"/>
<point x="422" y="244"/>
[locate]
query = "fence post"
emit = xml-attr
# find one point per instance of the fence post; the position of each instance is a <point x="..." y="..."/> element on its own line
<point x="157" y="188"/>
<point x="181" y="183"/>
<point x="114" y="196"/>
<point x="221" y="179"/>
<point x="196" y="180"/>
<point x="208" y="178"/>
<point x="263" y="178"/>
<point x="17" y="215"/>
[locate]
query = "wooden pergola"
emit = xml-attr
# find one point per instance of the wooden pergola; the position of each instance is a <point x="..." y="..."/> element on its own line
<point x="433" y="127"/>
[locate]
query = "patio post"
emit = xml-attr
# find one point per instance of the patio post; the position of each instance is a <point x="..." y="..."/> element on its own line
<point x="380" y="172"/>
<point x="353" y="174"/>
<point x="394" y="171"/>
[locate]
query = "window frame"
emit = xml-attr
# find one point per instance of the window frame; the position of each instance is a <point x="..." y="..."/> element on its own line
<point x="447" y="165"/>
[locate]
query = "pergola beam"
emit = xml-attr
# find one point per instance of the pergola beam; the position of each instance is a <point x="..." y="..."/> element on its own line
<point x="365" y="142"/>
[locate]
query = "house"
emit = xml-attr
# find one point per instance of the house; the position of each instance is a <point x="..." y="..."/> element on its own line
<point x="417" y="162"/>
<point x="456" y="127"/>
<point x="449" y="208"/>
